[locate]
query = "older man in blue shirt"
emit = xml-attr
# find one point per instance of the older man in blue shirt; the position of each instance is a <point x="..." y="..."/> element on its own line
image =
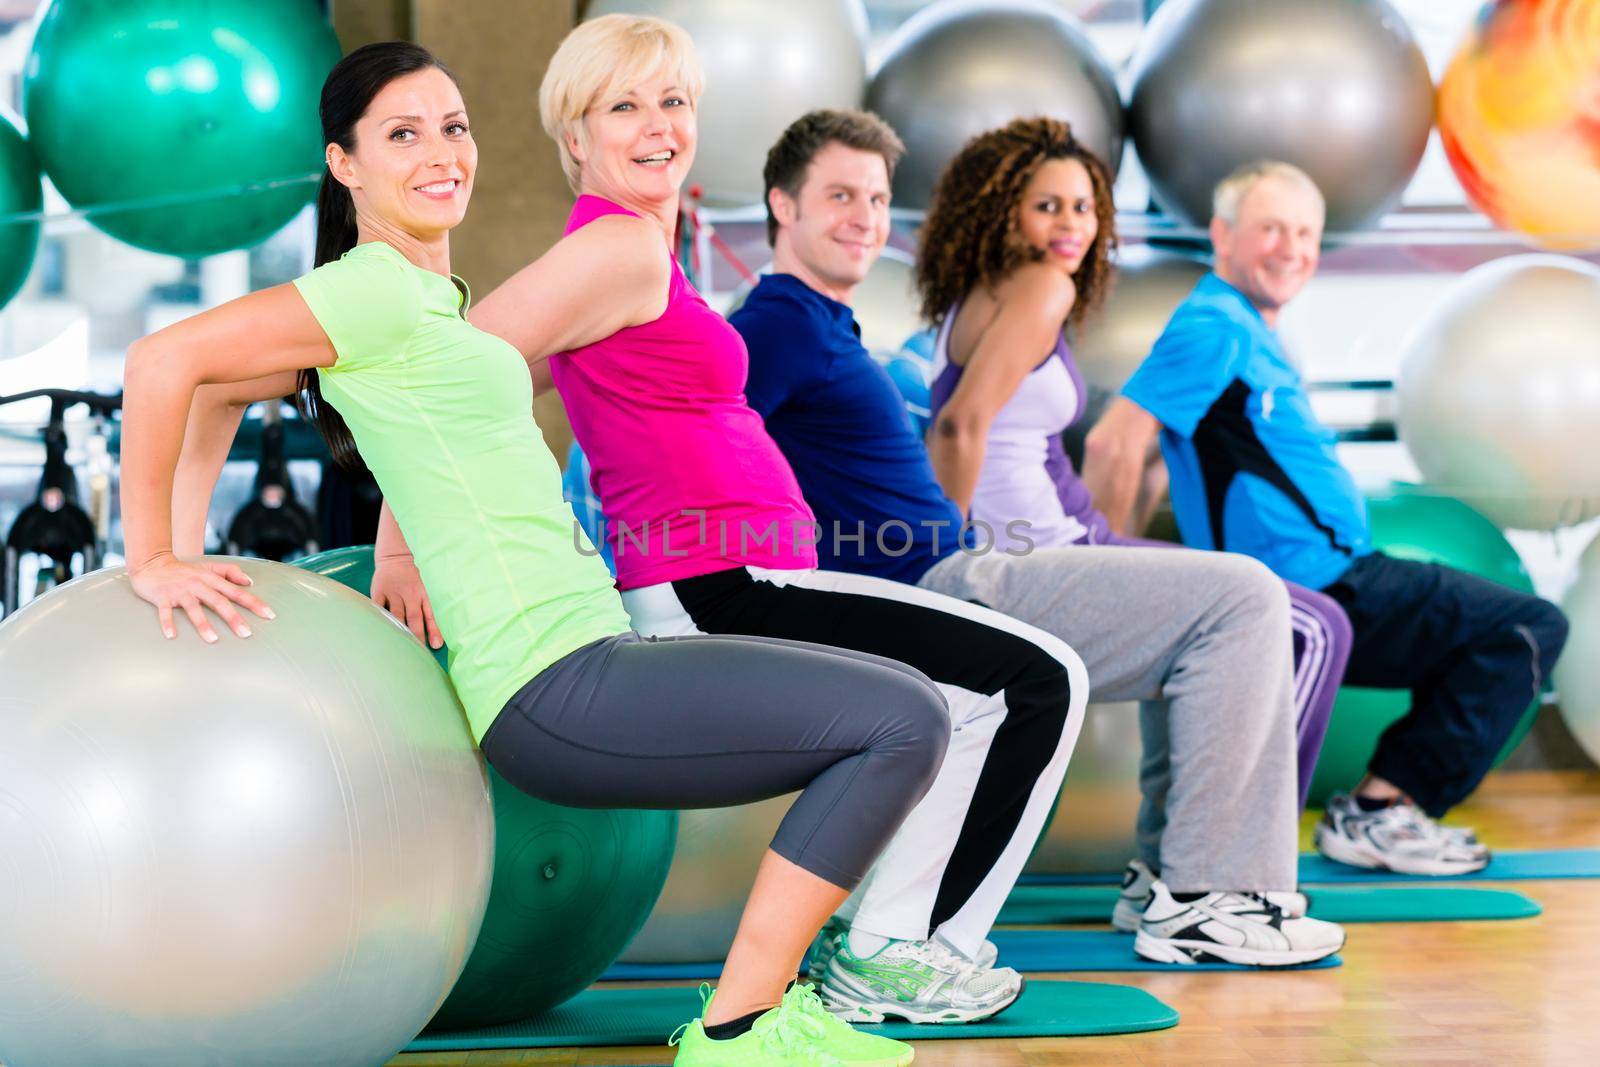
<point x="1254" y="471"/>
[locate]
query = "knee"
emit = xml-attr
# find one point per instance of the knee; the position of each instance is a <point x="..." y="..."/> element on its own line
<point x="1255" y="591"/>
<point x="1548" y="625"/>
<point x="920" y="731"/>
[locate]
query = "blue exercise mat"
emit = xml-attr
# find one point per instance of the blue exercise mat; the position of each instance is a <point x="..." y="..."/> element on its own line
<point x="1052" y="905"/>
<point x="1031" y="951"/>
<point x="1506" y="866"/>
<point x="648" y="1016"/>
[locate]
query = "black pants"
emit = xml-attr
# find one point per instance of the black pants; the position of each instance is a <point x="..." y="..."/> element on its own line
<point x="1473" y="653"/>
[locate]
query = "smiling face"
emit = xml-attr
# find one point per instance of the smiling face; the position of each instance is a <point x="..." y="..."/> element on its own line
<point x="637" y="145"/>
<point x="1270" y="251"/>
<point x="414" y="159"/>
<point x="1056" y="216"/>
<point x="832" y="231"/>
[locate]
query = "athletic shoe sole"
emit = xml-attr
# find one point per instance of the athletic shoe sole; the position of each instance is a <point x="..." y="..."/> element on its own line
<point x="1341" y="849"/>
<point x="861" y="1013"/>
<point x="1187" y="952"/>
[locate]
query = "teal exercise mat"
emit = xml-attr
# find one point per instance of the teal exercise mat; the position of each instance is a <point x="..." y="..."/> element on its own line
<point x="649" y="1016"/>
<point x="1030" y="951"/>
<point x="1049" y="905"/>
<point x="1506" y="866"/>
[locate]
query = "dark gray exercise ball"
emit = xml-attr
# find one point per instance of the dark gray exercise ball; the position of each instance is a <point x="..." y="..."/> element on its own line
<point x="959" y="68"/>
<point x="1336" y="87"/>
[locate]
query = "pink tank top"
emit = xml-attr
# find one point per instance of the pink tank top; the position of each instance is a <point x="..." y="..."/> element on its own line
<point x="687" y="477"/>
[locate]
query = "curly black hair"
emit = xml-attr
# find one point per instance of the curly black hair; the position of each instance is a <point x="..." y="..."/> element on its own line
<point x="967" y="238"/>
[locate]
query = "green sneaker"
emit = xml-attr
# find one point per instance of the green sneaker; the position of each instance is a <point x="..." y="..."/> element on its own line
<point x="799" y="1032"/>
<point x="843" y="1040"/>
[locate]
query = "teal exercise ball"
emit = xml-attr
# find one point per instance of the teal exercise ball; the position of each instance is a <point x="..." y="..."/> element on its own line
<point x="173" y="108"/>
<point x="1408" y="523"/>
<point x="267" y="851"/>
<point x="21" y="192"/>
<point x="572" y="886"/>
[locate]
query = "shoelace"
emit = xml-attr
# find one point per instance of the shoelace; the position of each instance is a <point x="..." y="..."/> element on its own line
<point x="787" y="1032"/>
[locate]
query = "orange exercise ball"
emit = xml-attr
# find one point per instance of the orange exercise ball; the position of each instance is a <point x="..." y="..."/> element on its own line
<point x="1519" y="112"/>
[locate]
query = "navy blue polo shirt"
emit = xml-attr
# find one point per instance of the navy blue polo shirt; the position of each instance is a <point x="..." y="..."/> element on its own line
<point x="844" y="428"/>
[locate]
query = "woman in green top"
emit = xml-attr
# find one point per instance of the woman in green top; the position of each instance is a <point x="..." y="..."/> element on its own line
<point x="568" y="703"/>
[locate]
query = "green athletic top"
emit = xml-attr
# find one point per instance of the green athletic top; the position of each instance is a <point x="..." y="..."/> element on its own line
<point x="443" y="415"/>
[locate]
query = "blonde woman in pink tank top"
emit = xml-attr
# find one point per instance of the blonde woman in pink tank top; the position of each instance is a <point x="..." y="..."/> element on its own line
<point x="711" y="534"/>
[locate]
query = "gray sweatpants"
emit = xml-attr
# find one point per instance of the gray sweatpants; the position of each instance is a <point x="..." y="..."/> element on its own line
<point x="1203" y="639"/>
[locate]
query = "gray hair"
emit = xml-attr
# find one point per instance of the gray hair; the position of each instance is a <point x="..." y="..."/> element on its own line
<point x="1232" y="190"/>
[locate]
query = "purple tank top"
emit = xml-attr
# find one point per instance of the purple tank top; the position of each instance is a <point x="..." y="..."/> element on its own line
<point x="1026" y="472"/>
<point x="688" y="479"/>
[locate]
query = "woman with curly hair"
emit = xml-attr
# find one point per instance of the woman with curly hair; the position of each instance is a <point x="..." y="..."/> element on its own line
<point x="1016" y="248"/>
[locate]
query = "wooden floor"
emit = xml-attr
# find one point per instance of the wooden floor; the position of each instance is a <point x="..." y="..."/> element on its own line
<point x="1490" y="993"/>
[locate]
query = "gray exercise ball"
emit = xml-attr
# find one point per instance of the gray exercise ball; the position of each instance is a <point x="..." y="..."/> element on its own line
<point x="268" y="852"/>
<point x="1095" y="816"/>
<point x="1147" y="287"/>
<point x="1336" y="87"/>
<point x="1577" y="673"/>
<point x="713" y="870"/>
<point x="959" y="68"/>
<point x="766" y="64"/>
<point x="1499" y="391"/>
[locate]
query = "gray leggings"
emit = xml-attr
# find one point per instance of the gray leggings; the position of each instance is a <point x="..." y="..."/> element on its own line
<point x="708" y="722"/>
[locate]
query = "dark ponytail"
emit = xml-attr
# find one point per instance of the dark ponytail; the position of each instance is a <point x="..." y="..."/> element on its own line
<point x="346" y="95"/>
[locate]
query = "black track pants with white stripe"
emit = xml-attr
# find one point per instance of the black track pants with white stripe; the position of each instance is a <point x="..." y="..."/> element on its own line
<point x="1016" y="696"/>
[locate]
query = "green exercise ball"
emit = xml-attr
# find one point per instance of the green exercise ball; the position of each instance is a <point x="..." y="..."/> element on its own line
<point x="1412" y="523"/>
<point x="20" y="192"/>
<point x="571" y="888"/>
<point x="176" y="105"/>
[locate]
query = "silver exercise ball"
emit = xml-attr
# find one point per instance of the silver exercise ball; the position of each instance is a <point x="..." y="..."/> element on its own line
<point x="960" y="67"/>
<point x="766" y="65"/>
<point x="1499" y="392"/>
<point x="712" y="873"/>
<point x="1147" y="288"/>
<point x="1093" y="827"/>
<point x="1336" y="87"/>
<point x="269" y="852"/>
<point x="1577" y="673"/>
<point x="886" y="303"/>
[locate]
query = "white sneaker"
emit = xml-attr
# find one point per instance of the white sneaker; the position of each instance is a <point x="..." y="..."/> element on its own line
<point x="918" y="981"/>
<point x="1224" y="927"/>
<point x="1399" y="838"/>
<point x="1138" y="879"/>
<point x="835" y="930"/>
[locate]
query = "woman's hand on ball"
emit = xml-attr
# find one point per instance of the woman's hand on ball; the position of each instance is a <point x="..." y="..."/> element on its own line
<point x="171" y="584"/>
<point x="397" y="588"/>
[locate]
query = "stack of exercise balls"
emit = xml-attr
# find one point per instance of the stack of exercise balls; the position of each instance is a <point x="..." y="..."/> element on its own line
<point x="1415" y="523"/>
<point x="273" y="850"/>
<point x="571" y="886"/>
<point x="186" y="127"/>
<point x="766" y="64"/>
<point x="1336" y="87"/>
<point x="960" y="67"/>
<point x="1519" y="114"/>
<point x="1499" y="391"/>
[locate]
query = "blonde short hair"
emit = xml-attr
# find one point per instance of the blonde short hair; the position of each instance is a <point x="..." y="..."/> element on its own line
<point x="1232" y="190"/>
<point x="604" y="57"/>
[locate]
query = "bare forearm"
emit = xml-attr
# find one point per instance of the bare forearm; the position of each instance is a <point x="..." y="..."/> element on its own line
<point x="213" y="423"/>
<point x="390" y="542"/>
<point x="1152" y="491"/>
<point x="1113" y="483"/>
<point x="155" y="409"/>
<point x="957" y="458"/>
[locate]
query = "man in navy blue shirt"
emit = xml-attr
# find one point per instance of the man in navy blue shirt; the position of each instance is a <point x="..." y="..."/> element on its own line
<point x="1197" y="629"/>
<point x="1253" y="471"/>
